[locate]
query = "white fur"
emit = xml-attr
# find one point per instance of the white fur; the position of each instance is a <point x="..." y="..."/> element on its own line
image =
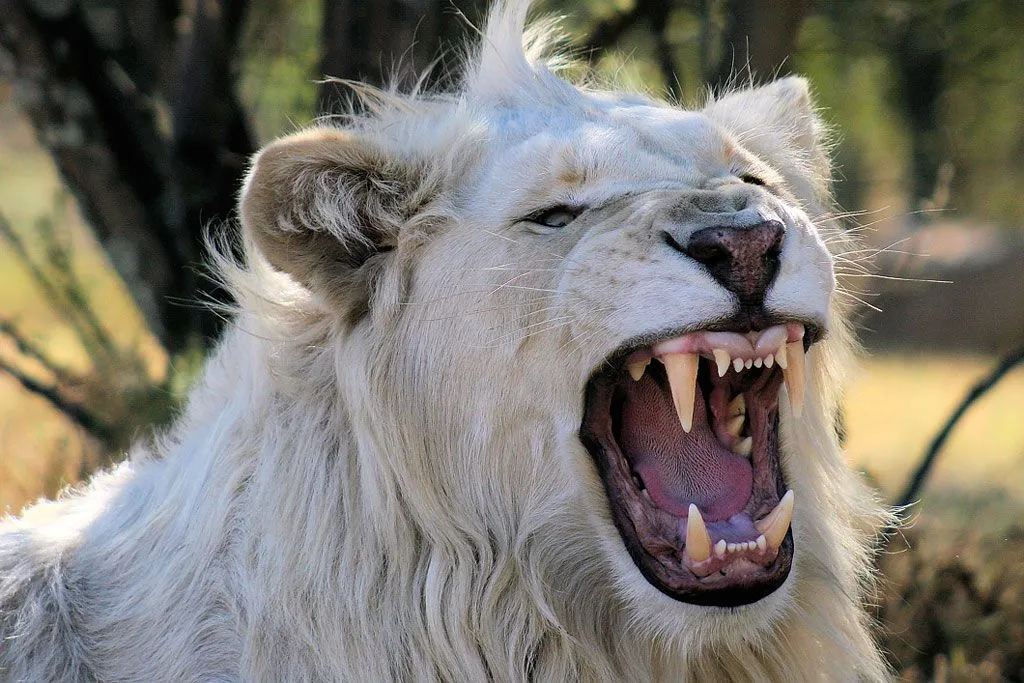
<point x="399" y="493"/>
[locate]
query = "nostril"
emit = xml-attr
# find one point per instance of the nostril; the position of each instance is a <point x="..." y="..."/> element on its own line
<point x="709" y="246"/>
<point x="708" y="254"/>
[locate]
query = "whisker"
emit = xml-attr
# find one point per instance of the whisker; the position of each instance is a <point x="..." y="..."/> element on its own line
<point x="899" y="279"/>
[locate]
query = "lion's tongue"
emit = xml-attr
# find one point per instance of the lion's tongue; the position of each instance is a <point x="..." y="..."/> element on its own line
<point x="679" y="468"/>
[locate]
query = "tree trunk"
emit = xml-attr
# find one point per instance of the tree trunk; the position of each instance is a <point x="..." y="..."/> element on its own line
<point x="210" y="144"/>
<point x="91" y="77"/>
<point x="391" y="41"/>
<point x="759" y="39"/>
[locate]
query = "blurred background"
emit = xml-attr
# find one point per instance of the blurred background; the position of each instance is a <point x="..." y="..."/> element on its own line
<point x="125" y="126"/>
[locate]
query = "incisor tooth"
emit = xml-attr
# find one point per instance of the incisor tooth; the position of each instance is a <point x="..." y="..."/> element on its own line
<point x="744" y="447"/>
<point x="758" y="362"/>
<point x="749" y="363"/>
<point x="720" y="548"/>
<point x="795" y="376"/>
<point x="769" y="360"/>
<point x="722" y="360"/>
<point x="636" y="369"/>
<point x="775" y="524"/>
<point x="681" y="369"/>
<point x="737" y="364"/>
<point x="698" y="542"/>
<point x="737" y="406"/>
<point x="762" y="542"/>
<point x="735" y="425"/>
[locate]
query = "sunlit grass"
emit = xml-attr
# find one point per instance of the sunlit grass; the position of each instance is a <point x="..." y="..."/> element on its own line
<point x="39" y="450"/>
<point x="899" y="402"/>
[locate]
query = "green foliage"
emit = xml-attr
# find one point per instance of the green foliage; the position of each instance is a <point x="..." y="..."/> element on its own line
<point x="279" y="66"/>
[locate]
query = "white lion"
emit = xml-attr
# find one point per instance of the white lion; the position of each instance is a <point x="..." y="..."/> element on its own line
<point x="517" y="390"/>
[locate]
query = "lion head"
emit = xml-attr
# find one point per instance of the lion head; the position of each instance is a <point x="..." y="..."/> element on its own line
<point x="587" y="345"/>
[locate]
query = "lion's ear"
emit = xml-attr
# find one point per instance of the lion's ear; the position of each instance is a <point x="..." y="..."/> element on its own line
<point x="778" y="122"/>
<point x="324" y="206"/>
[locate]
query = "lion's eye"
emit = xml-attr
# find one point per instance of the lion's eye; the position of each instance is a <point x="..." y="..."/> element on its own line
<point x="555" y="217"/>
<point x="751" y="179"/>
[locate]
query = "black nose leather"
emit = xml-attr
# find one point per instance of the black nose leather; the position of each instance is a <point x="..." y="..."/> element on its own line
<point x="744" y="260"/>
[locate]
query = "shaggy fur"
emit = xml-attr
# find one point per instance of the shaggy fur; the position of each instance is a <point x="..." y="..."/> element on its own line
<point x="378" y="476"/>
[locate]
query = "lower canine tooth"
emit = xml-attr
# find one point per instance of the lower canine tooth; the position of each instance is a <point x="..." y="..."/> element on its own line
<point x="795" y="376"/>
<point x="776" y="523"/>
<point x="698" y="542"/>
<point x="744" y="447"/>
<point x="735" y="425"/>
<point x="636" y="370"/>
<point x="681" y="369"/>
<point x="737" y="406"/>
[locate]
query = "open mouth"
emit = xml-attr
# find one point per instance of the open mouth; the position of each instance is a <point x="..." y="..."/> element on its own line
<point x="685" y="435"/>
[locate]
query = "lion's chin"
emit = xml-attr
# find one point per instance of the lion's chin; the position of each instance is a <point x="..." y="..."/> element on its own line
<point x="688" y="450"/>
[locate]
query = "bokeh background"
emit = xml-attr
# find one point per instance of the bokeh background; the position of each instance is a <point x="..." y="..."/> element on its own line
<point x="125" y="126"/>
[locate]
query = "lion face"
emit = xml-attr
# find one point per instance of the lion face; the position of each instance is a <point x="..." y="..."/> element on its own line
<point x="591" y="313"/>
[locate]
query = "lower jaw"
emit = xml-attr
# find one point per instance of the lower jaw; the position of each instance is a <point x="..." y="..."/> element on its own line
<point x="719" y="589"/>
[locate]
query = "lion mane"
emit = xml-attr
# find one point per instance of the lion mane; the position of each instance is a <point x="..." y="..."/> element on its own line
<point x="380" y="475"/>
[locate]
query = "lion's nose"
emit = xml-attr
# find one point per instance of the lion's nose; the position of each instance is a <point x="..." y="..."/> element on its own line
<point x="744" y="260"/>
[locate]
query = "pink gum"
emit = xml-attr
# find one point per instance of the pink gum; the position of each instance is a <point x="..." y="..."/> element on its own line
<point x="738" y="345"/>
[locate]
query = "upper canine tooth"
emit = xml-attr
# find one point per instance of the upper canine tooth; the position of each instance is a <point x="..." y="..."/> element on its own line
<point x="776" y="523"/>
<point x="636" y="369"/>
<point x="737" y="406"/>
<point x="744" y="447"/>
<point x="722" y="359"/>
<point x="698" y="541"/>
<point x="795" y="376"/>
<point x="681" y="369"/>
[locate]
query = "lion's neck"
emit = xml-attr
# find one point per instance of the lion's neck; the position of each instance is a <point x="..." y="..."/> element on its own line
<point x="339" y="556"/>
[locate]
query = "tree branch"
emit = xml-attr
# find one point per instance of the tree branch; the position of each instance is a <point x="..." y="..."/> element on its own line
<point x="29" y="349"/>
<point x="76" y="413"/>
<point x="916" y="483"/>
<point x="69" y="301"/>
